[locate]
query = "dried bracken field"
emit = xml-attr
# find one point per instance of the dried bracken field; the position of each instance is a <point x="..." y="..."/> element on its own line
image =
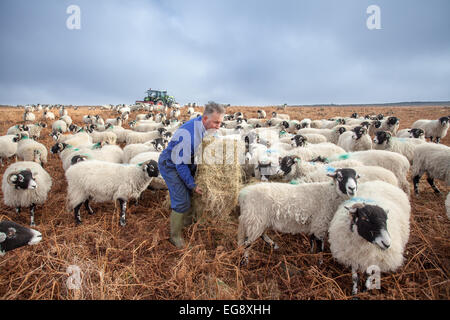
<point x="138" y="262"/>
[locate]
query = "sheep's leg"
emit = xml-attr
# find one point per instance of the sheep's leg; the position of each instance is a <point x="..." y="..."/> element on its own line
<point x="355" y="279"/>
<point x="312" y="241"/>
<point x="18" y="210"/>
<point x="32" y="210"/>
<point x="269" y="241"/>
<point x="247" y="245"/>
<point x="123" y="209"/>
<point x="1" y="161"/>
<point x="416" y="180"/>
<point x="431" y="183"/>
<point x="438" y="139"/>
<point x="88" y="207"/>
<point x="76" y="212"/>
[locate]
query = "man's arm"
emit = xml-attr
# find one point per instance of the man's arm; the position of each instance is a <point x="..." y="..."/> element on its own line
<point x="185" y="174"/>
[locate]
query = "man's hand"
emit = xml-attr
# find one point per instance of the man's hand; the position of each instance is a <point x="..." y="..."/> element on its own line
<point x="198" y="190"/>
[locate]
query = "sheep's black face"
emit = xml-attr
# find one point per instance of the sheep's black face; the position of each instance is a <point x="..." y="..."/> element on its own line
<point x="58" y="148"/>
<point x="160" y="144"/>
<point x="285" y="124"/>
<point x="13" y="236"/>
<point x="286" y="164"/>
<point x="370" y="222"/>
<point x="377" y="123"/>
<point x="354" y="115"/>
<point x="161" y="131"/>
<point x="152" y="169"/>
<point x="444" y="121"/>
<point x="298" y="140"/>
<point x="257" y="125"/>
<point x="359" y="132"/>
<point x="416" y="133"/>
<point x="23" y="180"/>
<point x="392" y="121"/>
<point x="380" y="116"/>
<point x="76" y="159"/>
<point x="342" y="130"/>
<point x="365" y="124"/>
<point x="346" y="181"/>
<point x="381" y="137"/>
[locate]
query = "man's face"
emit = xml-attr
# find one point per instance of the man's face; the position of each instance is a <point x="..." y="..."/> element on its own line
<point x="213" y="121"/>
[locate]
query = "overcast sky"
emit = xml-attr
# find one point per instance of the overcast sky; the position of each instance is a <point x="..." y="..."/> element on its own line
<point x="243" y="52"/>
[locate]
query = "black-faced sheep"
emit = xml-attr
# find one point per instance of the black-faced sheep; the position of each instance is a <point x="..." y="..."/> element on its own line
<point x="25" y="184"/>
<point x="13" y="236"/>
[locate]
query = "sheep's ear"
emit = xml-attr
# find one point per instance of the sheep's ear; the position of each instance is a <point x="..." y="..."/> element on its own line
<point x="2" y="237"/>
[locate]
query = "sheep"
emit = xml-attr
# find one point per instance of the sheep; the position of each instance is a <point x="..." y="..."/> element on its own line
<point x="356" y="140"/>
<point x="66" y="119"/>
<point x="392" y="161"/>
<point x="13" y="236"/>
<point x="25" y="184"/>
<point x="298" y="171"/>
<point x="131" y="150"/>
<point x="48" y="116"/>
<point x="88" y="119"/>
<point x="391" y="124"/>
<point x="104" y="136"/>
<point x="411" y="133"/>
<point x="434" y="129"/>
<point x="312" y="138"/>
<point x="18" y="129"/>
<point x="261" y="114"/>
<point x="26" y="150"/>
<point x="141" y="137"/>
<point x="101" y="181"/>
<point x="332" y="135"/>
<point x="115" y="122"/>
<point x="330" y="124"/>
<point x="190" y="110"/>
<point x="371" y="230"/>
<point x="8" y="147"/>
<point x="434" y="160"/>
<point x="35" y="129"/>
<point x="305" y="123"/>
<point x="107" y="153"/>
<point x="280" y="116"/>
<point x="28" y="116"/>
<point x="384" y="141"/>
<point x="59" y="125"/>
<point x="292" y="208"/>
<point x="147" y="126"/>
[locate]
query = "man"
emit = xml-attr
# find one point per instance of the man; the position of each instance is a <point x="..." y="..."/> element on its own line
<point x="176" y="165"/>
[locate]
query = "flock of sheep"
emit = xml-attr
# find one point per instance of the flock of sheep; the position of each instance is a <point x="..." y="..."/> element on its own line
<point x="341" y="178"/>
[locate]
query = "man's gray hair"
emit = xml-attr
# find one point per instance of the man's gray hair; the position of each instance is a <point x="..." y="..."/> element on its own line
<point x="212" y="107"/>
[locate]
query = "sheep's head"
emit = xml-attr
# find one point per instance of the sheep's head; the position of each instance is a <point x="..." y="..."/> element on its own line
<point x="151" y="167"/>
<point x="78" y="158"/>
<point x="392" y="121"/>
<point x="370" y="221"/>
<point x="416" y="133"/>
<point x="354" y="115"/>
<point x="286" y="164"/>
<point x="359" y="131"/>
<point x="382" y="137"/>
<point x="346" y="181"/>
<point x="365" y="124"/>
<point x="444" y="121"/>
<point x="13" y="236"/>
<point x="58" y="147"/>
<point x="160" y="144"/>
<point x="341" y="130"/>
<point x="23" y="180"/>
<point x="376" y="123"/>
<point x="298" y="141"/>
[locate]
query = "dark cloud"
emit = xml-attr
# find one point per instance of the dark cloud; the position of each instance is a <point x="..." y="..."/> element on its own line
<point x="239" y="52"/>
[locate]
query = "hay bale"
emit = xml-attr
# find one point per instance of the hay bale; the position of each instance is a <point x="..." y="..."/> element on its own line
<point x="219" y="175"/>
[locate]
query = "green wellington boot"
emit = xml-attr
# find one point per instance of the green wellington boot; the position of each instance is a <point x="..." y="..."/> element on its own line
<point x="176" y="229"/>
<point x="188" y="217"/>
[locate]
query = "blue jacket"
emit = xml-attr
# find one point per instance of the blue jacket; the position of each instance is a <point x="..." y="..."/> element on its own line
<point x="181" y="149"/>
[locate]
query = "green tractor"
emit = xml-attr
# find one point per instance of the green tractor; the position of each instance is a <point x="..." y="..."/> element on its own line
<point x="159" y="97"/>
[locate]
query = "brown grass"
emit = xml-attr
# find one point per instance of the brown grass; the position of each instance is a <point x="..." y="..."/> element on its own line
<point x="137" y="261"/>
